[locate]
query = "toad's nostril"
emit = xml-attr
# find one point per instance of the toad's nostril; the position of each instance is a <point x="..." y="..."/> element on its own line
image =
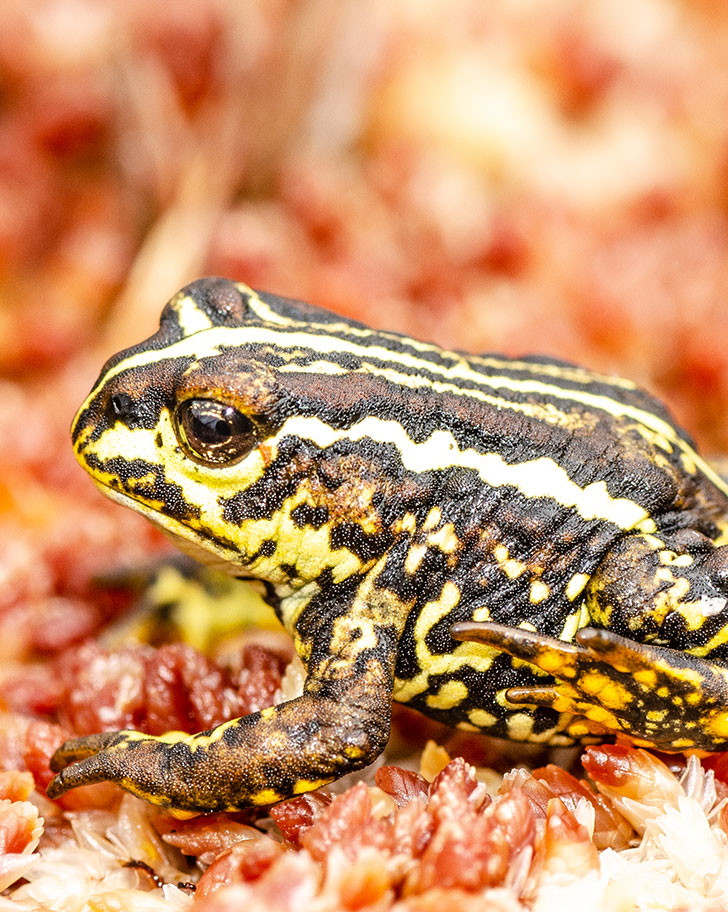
<point x="121" y="407"/>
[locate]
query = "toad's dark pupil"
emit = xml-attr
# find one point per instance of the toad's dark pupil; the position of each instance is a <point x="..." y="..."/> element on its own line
<point x="211" y="429"/>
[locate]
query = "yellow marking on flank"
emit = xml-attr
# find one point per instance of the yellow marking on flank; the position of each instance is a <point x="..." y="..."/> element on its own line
<point x="452" y="693"/>
<point x="520" y="726"/>
<point x="434" y="611"/>
<point x="470" y="655"/>
<point x="576" y="585"/>
<point x="432" y="520"/>
<point x="501" y="699"/>
<point x="538" y="592"/>
<point x="445" y="539"/>
<point x="482" y="718"/>
<point x="574" y="621"/>
<point x="513" y="568"/>
<point x="414" y="558"/>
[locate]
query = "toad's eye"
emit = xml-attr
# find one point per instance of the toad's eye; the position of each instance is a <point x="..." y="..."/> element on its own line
<point x="213" y="433"/>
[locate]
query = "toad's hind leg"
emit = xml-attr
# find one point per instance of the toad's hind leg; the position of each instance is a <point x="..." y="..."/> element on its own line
<point x="659" y="697"/>
<point x="673" y="695"/>
<point x="670" y="589"/>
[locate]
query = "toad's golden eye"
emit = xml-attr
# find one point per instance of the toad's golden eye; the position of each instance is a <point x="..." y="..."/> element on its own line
<point x="212" y="432"/>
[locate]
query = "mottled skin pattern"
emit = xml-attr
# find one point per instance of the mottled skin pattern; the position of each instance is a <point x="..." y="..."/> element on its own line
<point x="520" y="547"/>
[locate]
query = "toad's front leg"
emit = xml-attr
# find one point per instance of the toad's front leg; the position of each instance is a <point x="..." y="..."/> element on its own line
<point x="340" y="723"/>
<point x="255" y="760"/>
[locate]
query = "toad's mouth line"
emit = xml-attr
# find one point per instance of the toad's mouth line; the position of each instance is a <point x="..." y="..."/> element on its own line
<point x="191" y="541"/>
